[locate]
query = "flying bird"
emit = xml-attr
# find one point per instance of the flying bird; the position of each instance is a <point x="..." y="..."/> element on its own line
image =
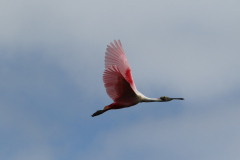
<point x="119" y="83"/>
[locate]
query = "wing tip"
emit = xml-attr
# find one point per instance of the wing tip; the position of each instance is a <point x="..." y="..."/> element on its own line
<point x="116" y="43"/>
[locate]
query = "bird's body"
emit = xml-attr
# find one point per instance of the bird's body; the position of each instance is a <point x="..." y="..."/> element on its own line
<point x="119" y="83"/>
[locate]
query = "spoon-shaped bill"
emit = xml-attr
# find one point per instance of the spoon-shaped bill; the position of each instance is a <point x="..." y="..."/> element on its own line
<point x="178" y="98"/>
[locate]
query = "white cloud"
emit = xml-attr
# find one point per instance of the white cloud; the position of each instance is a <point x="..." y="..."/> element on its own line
<point x="51" y="50"/>
<point x="192" y="46"/>
<point x="204" y="135"/>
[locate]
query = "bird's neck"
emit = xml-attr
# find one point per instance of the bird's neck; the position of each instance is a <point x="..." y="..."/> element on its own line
<point x="146" y="99"/>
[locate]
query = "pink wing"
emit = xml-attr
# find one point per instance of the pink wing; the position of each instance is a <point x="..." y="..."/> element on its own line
<point x="116" y="85"/>
<point x="115" y="56"/>
<point x="117" y="75"/>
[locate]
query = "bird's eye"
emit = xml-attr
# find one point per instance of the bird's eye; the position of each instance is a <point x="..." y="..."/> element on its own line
<point x="163" y="97"/>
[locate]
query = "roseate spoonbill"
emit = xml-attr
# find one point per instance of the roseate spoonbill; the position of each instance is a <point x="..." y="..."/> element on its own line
<point x="119" y="83"/>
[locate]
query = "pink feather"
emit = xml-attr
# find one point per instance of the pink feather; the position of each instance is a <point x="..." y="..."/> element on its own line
<point x="115" y="56"/>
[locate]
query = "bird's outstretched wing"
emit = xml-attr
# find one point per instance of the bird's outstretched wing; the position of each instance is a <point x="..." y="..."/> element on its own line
<point x="116" y="85"/>
<point x="115" y="56"/>
<point x="117" y="76"/>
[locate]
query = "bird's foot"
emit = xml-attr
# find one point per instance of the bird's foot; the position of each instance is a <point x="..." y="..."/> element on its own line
<point x="98" y="113"/>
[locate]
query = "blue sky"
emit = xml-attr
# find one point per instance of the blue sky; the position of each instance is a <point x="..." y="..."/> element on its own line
<point x="52" y="61"/>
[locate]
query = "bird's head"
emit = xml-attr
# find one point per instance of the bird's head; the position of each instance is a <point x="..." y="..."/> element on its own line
<point x="164" y="98"/>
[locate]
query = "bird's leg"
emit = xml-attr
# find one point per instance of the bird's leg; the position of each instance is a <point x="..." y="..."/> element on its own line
<point x="98" y="113"/>
<point x="101" y="111"/>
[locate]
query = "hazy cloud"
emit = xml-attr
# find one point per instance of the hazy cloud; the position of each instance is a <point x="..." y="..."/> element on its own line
<point x="51" y="65"/>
